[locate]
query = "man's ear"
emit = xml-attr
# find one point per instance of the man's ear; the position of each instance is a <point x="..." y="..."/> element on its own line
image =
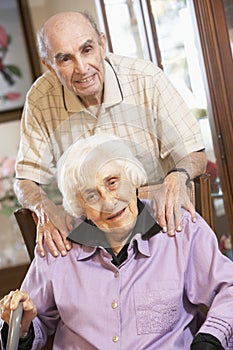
<point x="103" y="42"/>
<point x="47" y="65"/>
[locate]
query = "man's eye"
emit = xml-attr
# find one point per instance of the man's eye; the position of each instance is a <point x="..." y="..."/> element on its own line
<point x="63" y="59"/>
<point x="87" y="49"/>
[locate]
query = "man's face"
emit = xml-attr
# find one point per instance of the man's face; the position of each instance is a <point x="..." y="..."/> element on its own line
<point x="77" y="56"/>
<point x="110" y="201"/>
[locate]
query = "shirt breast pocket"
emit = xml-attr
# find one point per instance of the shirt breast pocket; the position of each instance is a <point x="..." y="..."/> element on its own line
<point x="157" y="307"/>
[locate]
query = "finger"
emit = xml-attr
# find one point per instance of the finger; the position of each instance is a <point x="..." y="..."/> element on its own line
<point x="170" y="220"/>
<point x="67" y="244"/>
<point x="69" y="222"/>
<point x="18" y="296"/>
<point x="29" y="309"/>
<point x="5" y="310"/>
<point x="5" y="307"/>
<point x="169" y="212"/>
<point x="8" y="299"/>
<point x="178" y="217"/>
<point x="190" y="208"/>
<point x="60" y="239"/>
<point x="56" y="240"/>
<point x="51" y="243"/>
<point x="10" y="303"/>
<point x="154" y="208"/>
<point x="40" y="240"/>
<point x="29" y="313"/>
<point x="159" y="211"/>
<point x="35" y="218"/>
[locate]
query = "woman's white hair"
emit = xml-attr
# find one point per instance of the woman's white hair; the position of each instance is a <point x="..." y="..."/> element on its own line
<point x="87" y="155"/>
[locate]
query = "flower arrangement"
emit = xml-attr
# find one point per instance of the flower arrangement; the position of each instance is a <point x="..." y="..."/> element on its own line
<point x="8" y="71"/>
<point x="8" y="200"/>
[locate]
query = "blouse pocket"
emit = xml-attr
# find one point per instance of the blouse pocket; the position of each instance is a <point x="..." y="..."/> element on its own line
<point x="157" y="307"/>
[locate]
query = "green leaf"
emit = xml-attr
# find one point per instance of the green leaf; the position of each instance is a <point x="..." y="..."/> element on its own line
<point x="14" y="69"/>
<point x="8" y="39"/>
<point x="7" y="211"/>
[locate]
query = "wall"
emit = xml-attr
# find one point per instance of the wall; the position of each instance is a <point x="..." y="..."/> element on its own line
<point x="40" y="11"/>
<point x="13" y="251"/>
<point x="9" y="138"/>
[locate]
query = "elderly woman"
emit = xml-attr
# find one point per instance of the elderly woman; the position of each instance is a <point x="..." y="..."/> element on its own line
<point x="124" y="285"/>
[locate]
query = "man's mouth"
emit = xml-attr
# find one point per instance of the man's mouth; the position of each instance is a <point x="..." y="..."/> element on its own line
<point x="116" y="215"/>
<point x="86" y="80"/>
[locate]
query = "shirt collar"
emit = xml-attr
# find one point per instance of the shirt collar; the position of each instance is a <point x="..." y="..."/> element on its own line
<point x="91" y="236"/>
<point x="72" y="104"/>
<point x="112" y="88"/>
<point x="112" y="92"/>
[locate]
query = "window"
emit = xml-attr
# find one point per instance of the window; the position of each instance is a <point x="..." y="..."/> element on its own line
<point x="163" y="31"/>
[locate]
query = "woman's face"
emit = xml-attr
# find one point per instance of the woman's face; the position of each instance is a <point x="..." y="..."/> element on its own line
<point x="109" y="200"/>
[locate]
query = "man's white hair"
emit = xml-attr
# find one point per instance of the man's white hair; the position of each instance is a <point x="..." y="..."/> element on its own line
<point x="85" y="157"/>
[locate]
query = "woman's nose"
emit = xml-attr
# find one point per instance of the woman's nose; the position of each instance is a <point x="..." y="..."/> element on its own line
<point x="109" y="202"/>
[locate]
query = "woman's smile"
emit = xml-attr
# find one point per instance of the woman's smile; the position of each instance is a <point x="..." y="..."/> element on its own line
<point x="117" y="215"/>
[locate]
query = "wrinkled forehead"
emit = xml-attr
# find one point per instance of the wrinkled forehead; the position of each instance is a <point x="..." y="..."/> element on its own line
<point x="64" y="28"/>
<point x="101" y="178"/>
<point x="104" y="161"/>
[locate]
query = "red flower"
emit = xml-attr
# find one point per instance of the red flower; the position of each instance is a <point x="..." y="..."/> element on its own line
<point x="3" y="37"/>
<point x="12" y="96"/>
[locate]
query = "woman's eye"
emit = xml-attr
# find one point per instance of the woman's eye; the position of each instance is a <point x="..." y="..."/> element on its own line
<point x="92" y="197"/>
<point x="112" y="183"/>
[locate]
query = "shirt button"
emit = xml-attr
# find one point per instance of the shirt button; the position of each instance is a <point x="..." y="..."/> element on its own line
<point x="116" y="274"/>
<point x="115" y="338"/>
<point x="114" y="304"/>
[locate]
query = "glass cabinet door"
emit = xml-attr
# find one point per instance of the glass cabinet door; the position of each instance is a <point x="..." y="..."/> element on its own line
<point x="179" y="53"/>
<point x="228" y="9"/>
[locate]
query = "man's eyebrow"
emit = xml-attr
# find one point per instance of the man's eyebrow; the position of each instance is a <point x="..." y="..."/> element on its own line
<point x="60" y="56"/>
<point x="87" y="42"/>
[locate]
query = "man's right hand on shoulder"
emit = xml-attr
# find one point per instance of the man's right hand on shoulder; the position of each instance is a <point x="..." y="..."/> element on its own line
<point x="53" y="226"/>
<point x="53" y="223"/>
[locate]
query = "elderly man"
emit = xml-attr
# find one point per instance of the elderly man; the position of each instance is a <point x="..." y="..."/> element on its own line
<point x="85" y="92"/>
<point x="125" y="284"/>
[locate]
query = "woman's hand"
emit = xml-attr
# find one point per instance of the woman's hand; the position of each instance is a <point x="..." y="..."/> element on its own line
<point x="11" y="301"/>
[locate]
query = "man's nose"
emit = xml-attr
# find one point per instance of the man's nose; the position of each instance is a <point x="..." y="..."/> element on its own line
<point x="80" y="65"/>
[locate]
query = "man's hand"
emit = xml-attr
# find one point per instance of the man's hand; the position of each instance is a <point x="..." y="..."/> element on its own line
<point x="174" y="194"/>
<point x="169" y="198"/>
<point x="53" y="223"/>
<point x="53" y="226"/>
<point x="11" y="301"/>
